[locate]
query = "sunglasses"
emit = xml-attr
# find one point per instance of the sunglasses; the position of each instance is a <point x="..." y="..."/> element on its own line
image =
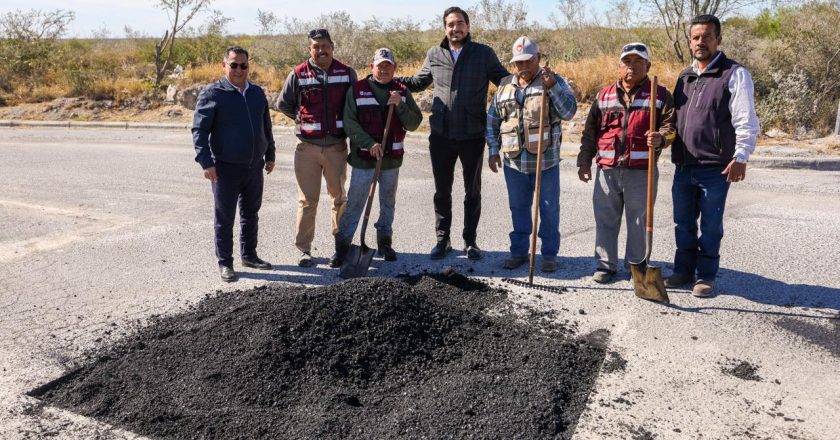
<point x="638" y="47"/>
<point x="243" y="66"/>
<point x="318" y="33"/>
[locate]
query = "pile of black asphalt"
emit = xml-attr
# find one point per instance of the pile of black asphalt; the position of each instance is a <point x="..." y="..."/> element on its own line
<point x="436" y="356"/>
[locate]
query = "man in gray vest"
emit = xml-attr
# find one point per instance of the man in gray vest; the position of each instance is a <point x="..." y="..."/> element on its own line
<point x="717" y="130"/>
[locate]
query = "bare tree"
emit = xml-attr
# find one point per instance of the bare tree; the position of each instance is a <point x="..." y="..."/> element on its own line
<point x="35" y="25"/>
<point x="499" y="15"/>
<point x="267" y="22"/>
<point x="180" y="12"/>
<point x="572" y="14"/>
<point x="676" y="15"/>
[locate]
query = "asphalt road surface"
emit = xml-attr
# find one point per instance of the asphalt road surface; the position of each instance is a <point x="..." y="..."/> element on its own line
<point x="102" y="229"/>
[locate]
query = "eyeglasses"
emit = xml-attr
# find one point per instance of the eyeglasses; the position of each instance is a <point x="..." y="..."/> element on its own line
<point x="243" y="66"/>
<point x="638" y="47"/>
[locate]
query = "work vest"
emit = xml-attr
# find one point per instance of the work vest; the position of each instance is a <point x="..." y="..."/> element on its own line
<point x="521" y="122"/>
<point x="372" y="118"/>
<point x="621" y="140"/>
<point x="321" y="100"/>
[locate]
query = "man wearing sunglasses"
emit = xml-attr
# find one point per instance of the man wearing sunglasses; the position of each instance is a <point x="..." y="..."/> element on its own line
<point x="617" y="135"/>
<point x="460" y="70"/>
<point x="313" y="96"/>
<point x="234" y="144"/>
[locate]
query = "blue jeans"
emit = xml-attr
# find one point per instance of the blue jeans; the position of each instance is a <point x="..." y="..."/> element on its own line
<point x="699" y="192"/>
<point x="357" y="195"/>
<point x="520" y="187"/>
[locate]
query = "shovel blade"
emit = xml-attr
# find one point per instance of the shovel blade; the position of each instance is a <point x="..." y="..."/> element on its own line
<point x="357" y="262"/>
<point x="648" y="283"/>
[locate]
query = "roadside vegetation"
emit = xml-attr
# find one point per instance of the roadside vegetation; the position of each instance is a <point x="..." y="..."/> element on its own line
<point x="791" y="51"/>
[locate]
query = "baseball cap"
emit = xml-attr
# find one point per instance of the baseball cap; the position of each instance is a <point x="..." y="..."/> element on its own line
<point x="383" y="54"/>
<point x="635" y="48"/>
<point x="524" y="49"/>
<point x="316" y="34"/>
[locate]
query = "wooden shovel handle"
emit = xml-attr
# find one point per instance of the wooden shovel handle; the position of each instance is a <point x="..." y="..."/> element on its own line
<point x="376" y="171"/>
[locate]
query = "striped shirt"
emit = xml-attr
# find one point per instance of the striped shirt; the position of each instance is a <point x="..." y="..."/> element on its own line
<point x="562" y="101"/>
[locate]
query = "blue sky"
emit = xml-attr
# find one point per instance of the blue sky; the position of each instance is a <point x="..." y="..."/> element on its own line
<point x="143" y="15"/>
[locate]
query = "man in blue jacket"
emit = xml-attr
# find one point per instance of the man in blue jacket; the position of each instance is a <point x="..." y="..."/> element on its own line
<point x="233" y="144"/>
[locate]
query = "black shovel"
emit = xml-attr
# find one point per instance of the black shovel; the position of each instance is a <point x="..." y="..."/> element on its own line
<point x="647" y="280"/>
<point x="359" y="257"/>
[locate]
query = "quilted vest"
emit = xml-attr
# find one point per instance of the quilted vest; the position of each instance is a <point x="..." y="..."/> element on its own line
<point x="621" y="140"/>
<point x="372" y="119"/>
<point x="521" y="122"/>
<point x="321" y="100"/>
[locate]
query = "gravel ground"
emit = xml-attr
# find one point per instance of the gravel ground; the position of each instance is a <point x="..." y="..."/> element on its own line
<point x="103" y="231"/>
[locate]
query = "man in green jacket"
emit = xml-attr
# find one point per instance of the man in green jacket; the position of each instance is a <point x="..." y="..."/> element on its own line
<point x="365" y="116"/>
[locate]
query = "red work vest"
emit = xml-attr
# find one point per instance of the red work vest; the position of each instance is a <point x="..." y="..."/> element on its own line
<point x="372" y="119"/>
<point x="322" y="99"/>
<point x="621" y="140"/>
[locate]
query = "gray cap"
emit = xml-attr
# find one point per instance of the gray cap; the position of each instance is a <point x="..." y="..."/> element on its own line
<point x="524" y="49"/>
<point x="383" y="54"/>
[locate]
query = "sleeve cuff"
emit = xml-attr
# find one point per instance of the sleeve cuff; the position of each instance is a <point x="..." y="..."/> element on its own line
<point x="741" y="155"/>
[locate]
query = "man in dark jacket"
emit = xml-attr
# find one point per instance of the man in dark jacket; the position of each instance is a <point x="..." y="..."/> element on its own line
<point x="460" y="70"/>
<point x="717" y="130"/>
<point x="233" y="144"/>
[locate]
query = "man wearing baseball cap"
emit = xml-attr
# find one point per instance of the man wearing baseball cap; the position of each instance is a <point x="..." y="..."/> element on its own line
<point x="513" y="125"/>
<point x="365" y="115"/>
<point x="617" y="135"/>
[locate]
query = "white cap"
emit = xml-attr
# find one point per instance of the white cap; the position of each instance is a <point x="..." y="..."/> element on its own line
<point x="524" y="49"/>
<point x="639" y="49"/>
<point x="383" y="54"/>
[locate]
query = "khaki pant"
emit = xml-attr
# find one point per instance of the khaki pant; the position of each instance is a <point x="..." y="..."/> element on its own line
<point x="311" y="162"/>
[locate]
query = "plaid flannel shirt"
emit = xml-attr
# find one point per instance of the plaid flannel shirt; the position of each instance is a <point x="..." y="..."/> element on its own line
<point x="460" y="87"/>
<point x="562" y="100"/>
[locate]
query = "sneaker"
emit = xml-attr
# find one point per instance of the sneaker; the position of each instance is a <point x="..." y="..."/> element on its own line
<point x="227" y="273"/>
<point x="603" y="276"/>
<point x="677" y="280"/>
<point x="440" y="250"/>
<point x="305" y="260"/>
<point x="515" y="261"/>
<point x="256" y="263"/>
<point x="473" y="251"/>
<point x="549" y="266"/>
<point x="703" y="289"/>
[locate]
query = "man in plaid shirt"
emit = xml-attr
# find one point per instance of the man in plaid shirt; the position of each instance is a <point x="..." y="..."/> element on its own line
<point x="460" y="70"/>
<point x="513" y="123"/>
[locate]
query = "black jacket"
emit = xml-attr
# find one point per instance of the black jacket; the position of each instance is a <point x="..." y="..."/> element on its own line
<point x="231" y="128"/>
<point x="459" y="109"/>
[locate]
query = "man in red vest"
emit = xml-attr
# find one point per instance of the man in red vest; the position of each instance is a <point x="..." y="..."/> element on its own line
<point x="313" y="96"/>
<point x="365" y="114"/>
<point x="617" y="134"/>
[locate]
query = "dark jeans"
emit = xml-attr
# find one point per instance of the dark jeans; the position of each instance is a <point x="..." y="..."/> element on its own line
<point x="244" y="185"/>
<point x="699" y="191"/>
<point x="444" y="153"/>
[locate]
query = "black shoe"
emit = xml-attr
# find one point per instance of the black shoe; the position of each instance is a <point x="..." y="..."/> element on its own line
<point x="341" y="250"/>
<point x="473" y="251"/>
<point x="256" y="263"/>
<point x="677" y="280"/>
<point x="227" y="273"/>
<point x="384" y="249"/>
<point x="440" y="250"/>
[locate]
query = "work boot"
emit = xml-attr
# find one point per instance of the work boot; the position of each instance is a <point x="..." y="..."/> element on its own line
<point x="341" y="249"/>
<point x="515" y="261"/>
<point x="256" y="263"/>
<point x="305" y="260"/>
<point x="440" y="250"/>
<point x="383" y="247"/>
<point x="703" y="289"/>
<point x="678" y="279"/>
<point x="549" y="265"/>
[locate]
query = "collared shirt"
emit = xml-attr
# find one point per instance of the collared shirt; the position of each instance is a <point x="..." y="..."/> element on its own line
<point x="455" y="53"/>
<point x="562" y="100"/>
<point x="247" y="84"/>
<point x="742" y="108"/>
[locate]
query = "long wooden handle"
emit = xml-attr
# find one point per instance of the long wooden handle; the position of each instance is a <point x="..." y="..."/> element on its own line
<point x="534" y="225"/>
<point x="651" y="157"/>
<point x="376" y="173"/>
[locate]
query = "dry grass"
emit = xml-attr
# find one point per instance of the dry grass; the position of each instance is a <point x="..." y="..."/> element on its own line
<point x="590" y="75"/>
